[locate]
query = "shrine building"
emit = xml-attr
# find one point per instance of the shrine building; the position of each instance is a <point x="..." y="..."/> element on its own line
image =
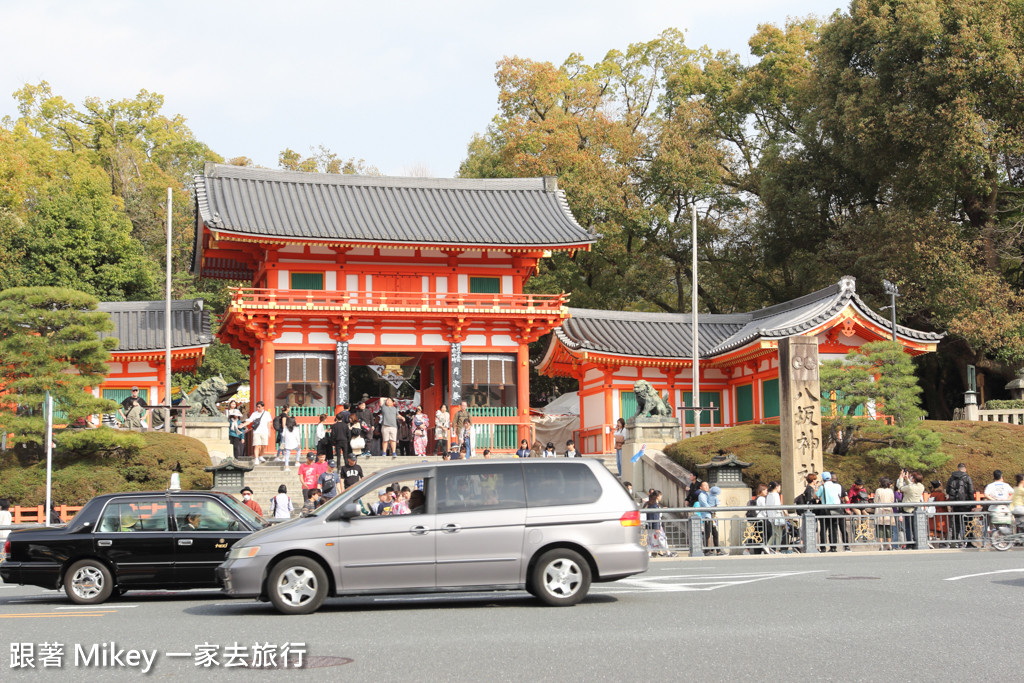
<point x="392" y="273"/>
<point x="139" y="357"/>
<point x="607" y="351"/>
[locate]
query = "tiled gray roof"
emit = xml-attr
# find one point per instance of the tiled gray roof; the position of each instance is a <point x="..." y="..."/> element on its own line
<point x="139" y="325"/>
<point x="516" y="212"/>
<point x="669" y="335"/>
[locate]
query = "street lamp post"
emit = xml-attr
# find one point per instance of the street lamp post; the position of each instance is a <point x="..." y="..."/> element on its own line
<point x="893" y="291"/>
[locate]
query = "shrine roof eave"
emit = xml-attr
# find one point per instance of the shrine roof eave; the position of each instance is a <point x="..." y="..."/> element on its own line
<point x="401" y="244"/>
<point x="493" y="213"/>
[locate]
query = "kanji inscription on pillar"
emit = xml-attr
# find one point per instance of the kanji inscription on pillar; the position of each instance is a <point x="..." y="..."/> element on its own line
<point x="455" y="372"/>
<point x="799" y="412"/>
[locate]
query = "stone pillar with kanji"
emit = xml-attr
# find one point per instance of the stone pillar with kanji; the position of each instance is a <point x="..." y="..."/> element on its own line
<point x="799" y="413"/>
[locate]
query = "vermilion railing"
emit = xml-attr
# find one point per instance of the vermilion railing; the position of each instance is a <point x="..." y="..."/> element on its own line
<point x="309" y="299"/>
<point x="35" y="514"/>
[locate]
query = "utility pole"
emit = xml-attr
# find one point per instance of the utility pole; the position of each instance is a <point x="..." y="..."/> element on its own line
<point x="167" y="324"/>
<point x="693" y="312"/>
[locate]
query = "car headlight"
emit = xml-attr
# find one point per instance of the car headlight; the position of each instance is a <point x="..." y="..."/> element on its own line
<point x="244" y="552"/>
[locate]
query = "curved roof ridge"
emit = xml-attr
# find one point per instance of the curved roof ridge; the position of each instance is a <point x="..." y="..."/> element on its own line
<point x="213" y="170"/>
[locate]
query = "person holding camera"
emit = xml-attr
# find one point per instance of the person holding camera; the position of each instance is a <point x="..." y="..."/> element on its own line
<point x="911" y="485"/>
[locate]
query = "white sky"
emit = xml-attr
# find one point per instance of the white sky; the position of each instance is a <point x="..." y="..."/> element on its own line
<point x="403" y="85"/>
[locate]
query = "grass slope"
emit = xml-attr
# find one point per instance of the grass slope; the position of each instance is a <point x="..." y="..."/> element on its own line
<point x="983" y="446"/>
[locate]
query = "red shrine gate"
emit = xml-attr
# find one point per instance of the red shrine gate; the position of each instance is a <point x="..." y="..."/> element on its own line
<point x="357" y="270"/>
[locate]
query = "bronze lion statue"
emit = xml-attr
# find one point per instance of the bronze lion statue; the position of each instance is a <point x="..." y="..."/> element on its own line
<point x="648" y="402"/>
<point x="204" y="398"/>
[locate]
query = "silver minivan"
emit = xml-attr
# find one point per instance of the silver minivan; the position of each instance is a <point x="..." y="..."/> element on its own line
<point x="551" y="526"/>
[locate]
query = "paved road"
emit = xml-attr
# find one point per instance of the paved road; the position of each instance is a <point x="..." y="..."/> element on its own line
<point x="850" y="617"/>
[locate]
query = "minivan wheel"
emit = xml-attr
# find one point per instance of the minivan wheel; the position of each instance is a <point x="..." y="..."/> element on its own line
<point x="560" y="578"/>
<point x="88" y="582"/>
<point x="297" y="585"/>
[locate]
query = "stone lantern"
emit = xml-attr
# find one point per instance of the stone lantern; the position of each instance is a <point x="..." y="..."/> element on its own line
<point x="726" y="471"/>
<point x="1016" y="387"/>
<point x="229" y="475"/>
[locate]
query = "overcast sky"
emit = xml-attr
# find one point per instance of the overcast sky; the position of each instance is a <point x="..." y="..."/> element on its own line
<point x="403" y="85"/>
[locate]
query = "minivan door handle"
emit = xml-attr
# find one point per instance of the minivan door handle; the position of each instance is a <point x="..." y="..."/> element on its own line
<point x="104" y="542"/>
<point x="451" y="528"/>
<point x="418" y="530"/>
<point x="184" y="541"/>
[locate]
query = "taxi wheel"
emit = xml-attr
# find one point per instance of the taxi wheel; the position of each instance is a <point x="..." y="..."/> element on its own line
<point x="88" y="582"/>
<point x="297" y="585"/>
<point x="560" y="578"/>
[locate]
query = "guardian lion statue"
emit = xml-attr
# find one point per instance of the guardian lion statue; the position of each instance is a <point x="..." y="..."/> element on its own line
<point x="648" y="402"/>
<point x="204" y="398"/>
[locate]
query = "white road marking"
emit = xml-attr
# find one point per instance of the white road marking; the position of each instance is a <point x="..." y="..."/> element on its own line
<point x="99" y="607"/>
<point x="702" y="582"/>
<point x="971" y="576"/>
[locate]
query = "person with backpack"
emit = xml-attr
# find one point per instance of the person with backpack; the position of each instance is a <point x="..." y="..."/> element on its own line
<point x="281" y="504"/>
<point x="756" y="522"/>
<point x="329" y="482"/>
<point x="279" y="423"/>
<point x="959" y="487"/>
<point x="830" y="493"/>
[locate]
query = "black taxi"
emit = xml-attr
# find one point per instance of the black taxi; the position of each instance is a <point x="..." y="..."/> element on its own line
<point x="128" y="541"/>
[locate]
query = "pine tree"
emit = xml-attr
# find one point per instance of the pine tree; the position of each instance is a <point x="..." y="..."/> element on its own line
<point x="879" y="377"/>
<point x="49" y="341"/>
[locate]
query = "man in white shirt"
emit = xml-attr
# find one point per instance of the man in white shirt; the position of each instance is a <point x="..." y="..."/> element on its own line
<point x="259" y="420"/>
<point x="1001" y="491"/>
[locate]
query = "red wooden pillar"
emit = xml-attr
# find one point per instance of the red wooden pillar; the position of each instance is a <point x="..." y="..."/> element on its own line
<point x="267" y="386"/>
<point x="523" y="393"/>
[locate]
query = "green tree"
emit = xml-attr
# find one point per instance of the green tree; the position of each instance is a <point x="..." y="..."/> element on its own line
<point x="323" y="160"/>
<point x="49" y="341"/>
<point x="61" y="226"/>
<point x="141" y="150"/>
<point x="879" y="377"/>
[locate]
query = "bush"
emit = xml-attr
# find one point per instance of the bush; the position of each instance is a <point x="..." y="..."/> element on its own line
<point x="1013" y="404"/>
<point x="105" y="461"/>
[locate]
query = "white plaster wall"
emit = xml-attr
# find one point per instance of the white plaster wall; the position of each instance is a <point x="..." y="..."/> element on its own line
<point x="290" y="338"/>
<point x="369" y="283"/>
<point x="625" y="372"/>
<point x="714" y="373"/>
<point x="352" y="282"/>
<point x="320" y="338"/>
<point x="506" y="284"/>
<point x="441" y="285"/>
<point x="503" y="340"/>
<point x="282" y="279"/>
<point x="593" y="410"/>
<point x="291" y="249"/>
<point x="398" y="339"/>
<point x="361" y="251"/>
<point x="425" y="283"/>
<point x="139" y="367"/>
<point x="653" y="373"/>
<point x="463" y="284"/>
<point x="475" y="339"/>
<point x="593" y="376"/>
<point x="331" y="281"/>
<point x="364" y="338"/>
<point x="434" y="339"/>
<point x="616" y="406"/>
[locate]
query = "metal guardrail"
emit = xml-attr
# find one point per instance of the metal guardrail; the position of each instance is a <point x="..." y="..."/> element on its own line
<point x="821" y="528"/>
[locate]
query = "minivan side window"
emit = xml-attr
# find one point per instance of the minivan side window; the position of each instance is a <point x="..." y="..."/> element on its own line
<point x="564" y="483"/>
<point x="484" y="487"/>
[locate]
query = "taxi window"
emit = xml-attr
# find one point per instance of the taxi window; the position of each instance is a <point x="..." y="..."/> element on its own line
<point x="203" y="514"/>
<point x="560" y="484"/>
<point x="141" y="514"/>
<point x="490" y="487"/>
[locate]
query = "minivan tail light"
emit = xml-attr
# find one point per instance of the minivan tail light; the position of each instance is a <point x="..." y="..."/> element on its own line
<point x="631" y="518"/>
